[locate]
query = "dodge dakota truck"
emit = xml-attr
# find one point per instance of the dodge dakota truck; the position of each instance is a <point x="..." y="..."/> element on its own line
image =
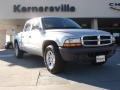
<point x="59" y="40"/>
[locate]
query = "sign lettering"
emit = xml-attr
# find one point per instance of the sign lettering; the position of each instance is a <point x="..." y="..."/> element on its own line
<point x="61" y="8"/>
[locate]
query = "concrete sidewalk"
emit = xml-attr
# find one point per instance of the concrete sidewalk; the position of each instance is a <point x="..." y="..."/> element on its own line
<point x="53" y="87"/>
<point x="30" y="73"/>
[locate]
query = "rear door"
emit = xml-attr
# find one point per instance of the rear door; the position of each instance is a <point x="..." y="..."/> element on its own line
<point x="25" y="37"/>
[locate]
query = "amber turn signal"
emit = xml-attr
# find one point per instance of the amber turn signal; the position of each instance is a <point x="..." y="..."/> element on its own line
<point x="72" y="45"/>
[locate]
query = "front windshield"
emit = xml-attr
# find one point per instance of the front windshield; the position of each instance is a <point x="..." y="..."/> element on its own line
<point x="59" y="23"/>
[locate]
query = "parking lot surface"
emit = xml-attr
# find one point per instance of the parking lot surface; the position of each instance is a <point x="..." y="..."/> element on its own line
<point x="30" y="73"/>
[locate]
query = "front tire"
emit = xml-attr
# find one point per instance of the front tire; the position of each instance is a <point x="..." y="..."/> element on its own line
<point x="18" y="53"/>
<point x="53" y="60"/>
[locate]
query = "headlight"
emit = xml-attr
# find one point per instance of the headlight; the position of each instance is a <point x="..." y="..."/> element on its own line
<point x="73" y="42"/>
<point x="113" y="39"/>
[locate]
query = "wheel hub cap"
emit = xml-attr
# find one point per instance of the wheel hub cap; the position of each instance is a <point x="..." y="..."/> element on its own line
<point x="50" y="59"/>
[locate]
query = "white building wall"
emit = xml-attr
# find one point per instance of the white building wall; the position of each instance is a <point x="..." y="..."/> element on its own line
<point x="84" y="8"/>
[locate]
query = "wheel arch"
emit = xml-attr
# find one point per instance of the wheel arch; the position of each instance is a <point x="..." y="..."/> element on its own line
<point x="46" y="43"/>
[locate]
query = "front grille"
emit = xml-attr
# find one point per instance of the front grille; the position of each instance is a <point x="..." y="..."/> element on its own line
<point x="104" y="37"/>
<point x="96" y="40"/>
<point x="90" y="38"/>
<point x="90" y="42"/>
<point x="105" y="42"/>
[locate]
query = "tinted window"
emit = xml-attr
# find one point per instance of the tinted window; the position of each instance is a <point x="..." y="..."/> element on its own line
<point x="59" y="23"/>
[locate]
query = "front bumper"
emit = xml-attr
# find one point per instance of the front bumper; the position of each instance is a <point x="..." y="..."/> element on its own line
<point x="80" y="53"/>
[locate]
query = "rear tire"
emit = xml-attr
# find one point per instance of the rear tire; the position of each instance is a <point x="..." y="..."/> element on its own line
<point x="53" y="60"/>
<point x="18" y="53"/>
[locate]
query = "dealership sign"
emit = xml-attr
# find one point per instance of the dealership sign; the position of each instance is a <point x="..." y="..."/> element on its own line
<point x="60" y="8"/>
<point x="115" y="6"/>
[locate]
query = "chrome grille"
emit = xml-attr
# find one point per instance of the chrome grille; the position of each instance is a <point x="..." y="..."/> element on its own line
<point x="96" y="40"/>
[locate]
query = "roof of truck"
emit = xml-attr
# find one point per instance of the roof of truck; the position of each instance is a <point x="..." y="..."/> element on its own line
<point x="32" y="19"/>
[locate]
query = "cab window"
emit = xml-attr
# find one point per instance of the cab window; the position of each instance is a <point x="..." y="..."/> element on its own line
<point x="35" y="25"/>
<point x="27" y="27"/>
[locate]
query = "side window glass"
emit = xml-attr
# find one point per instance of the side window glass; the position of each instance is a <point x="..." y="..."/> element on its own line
<point x="35" y="26"/>
<point x="27" y="27"/>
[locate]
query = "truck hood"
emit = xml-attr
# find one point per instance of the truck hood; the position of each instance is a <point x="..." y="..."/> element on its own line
<point x="60" y="35"/>
<point x="79" y="32"/>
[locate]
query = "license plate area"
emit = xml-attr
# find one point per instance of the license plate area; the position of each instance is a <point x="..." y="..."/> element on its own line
<point x="100" y="58"/>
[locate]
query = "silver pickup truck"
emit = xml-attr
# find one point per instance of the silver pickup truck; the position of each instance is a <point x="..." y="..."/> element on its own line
<point x="59" y="40"/>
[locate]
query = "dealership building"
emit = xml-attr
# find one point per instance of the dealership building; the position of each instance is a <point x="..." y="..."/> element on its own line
<point x="96" y="14"/>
